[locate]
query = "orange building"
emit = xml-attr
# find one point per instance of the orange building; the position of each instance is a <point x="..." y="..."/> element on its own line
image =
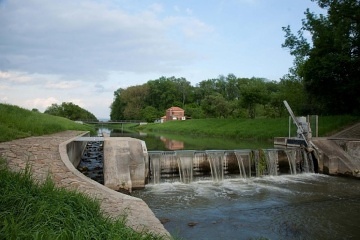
<point x="175" y="113"/>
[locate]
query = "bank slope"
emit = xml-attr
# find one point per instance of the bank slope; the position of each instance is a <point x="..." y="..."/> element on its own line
<point x="17" y="122"/>
<point x="262" y="128"/>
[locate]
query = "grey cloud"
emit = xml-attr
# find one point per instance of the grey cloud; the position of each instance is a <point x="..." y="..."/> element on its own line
<point x="77" y="38"/>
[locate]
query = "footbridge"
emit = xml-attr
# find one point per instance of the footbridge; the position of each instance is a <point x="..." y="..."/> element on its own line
<point x="111" y="121"/>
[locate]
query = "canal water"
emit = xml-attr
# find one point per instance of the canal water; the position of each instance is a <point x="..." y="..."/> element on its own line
<point x="287" y="206"/>
<point x="167" y="142"/>
<point x="303" y="206"/>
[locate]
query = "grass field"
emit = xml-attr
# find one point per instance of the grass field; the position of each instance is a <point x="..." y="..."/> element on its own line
<point x="16" y="122"/>
<point x="262" y="128"/>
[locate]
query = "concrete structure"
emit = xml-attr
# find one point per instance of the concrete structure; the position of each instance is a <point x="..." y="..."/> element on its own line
<point x="55" y="155"/>
<point x="328" y="155"/>
<point x="340" y="153"/>
<point x="125" y="163"/>
<point x="336" y="160"/>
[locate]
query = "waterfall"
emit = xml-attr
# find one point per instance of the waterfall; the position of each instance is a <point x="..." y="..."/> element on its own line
<point x="272" y="157"/>
<point x="190" y="165"/>
<point x="169" y="165"/>
<point x="216" y="160"/>
<point x="185" y="163"/>
<point x="243" y="159"/>
<point x="307" y="163"/>
<point x="259" y="163"/>
<point x="200" y="166"/>
<point x="155" y="166"/>
<point x="291" y="155"/>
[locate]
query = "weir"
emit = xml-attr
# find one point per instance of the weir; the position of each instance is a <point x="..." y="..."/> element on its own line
<point x="217" y="165"/>
<point x="128" y="165"/>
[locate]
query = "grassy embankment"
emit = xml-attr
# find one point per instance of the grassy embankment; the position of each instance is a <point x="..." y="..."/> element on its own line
<point x="16" y="122"/>
<point x="29" y="210"/>
<point x="260" y="129"/>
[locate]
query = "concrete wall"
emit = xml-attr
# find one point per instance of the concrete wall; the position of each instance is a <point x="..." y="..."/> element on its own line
<point x="125" y="163"/>
<point x="75" y="150"/>
<point x="338" y="158"/>
<point x="113" y="204"/>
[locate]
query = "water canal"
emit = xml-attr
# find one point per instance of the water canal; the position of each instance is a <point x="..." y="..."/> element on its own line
<point x="287" y="206"/>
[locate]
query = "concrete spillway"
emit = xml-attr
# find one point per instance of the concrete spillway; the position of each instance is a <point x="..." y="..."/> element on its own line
<point x="125" y="163"/>
<point x="338" y="157"/>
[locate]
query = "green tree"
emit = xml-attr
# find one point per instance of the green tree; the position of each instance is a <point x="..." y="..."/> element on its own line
<point x="71" y="111"/>
<point x="134" y="99"/>
<point x="194" y="111"/>
<point x="167" y="92"/>
<point x="330" y="66"/>
<point x="215" y="105"/>
<point x="150" y="114"/>
<point x="117" y="106"/>
<point x="253" y="92"/>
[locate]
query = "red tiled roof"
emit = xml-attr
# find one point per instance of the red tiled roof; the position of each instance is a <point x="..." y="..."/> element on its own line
<point x="176" y="109"/>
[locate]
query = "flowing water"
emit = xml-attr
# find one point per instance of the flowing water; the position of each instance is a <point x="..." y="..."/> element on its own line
<point x="247" y="194"/>
<point x="301" y="206"/>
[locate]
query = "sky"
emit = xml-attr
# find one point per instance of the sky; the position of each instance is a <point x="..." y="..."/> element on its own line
<point x="82" y="51"/>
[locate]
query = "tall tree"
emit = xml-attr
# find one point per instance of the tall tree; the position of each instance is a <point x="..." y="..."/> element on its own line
<point x="253" y="92"/>
<point x="134" y="99"/>
<point x="330" y="66"/>
<point x="117" y="106"/>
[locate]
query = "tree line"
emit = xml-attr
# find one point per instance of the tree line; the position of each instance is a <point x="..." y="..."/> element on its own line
<point x="71" y="111"/>
<point x="324" y="79"/>
<point x="222" y="97"/>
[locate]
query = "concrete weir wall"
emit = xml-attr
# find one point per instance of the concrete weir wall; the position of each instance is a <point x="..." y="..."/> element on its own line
<point x="75" y="150"/>
<point x="115" y="204"/>
<point x="338" y="157"/>
<point x="125" y="163"/>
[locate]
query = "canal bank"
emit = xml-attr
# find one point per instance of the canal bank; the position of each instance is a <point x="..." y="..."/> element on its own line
<point x="49" y="155"/>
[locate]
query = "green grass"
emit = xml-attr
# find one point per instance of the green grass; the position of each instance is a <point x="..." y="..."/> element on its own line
<point x="16" y="122"/>
<point x="29" y="210"/>
<point x="260" y="129"/>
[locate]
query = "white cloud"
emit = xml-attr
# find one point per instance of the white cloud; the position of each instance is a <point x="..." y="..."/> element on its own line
<point x="40" y="103"/>
<point x="196" y="29"/>
<point x="156" y="7"/>
<point x="3" y="98"/>
<point x="63" y="85"/>
<point x="189" y="11"/>
<point x="77" y="38"/>
<point x="14" y="77"/>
